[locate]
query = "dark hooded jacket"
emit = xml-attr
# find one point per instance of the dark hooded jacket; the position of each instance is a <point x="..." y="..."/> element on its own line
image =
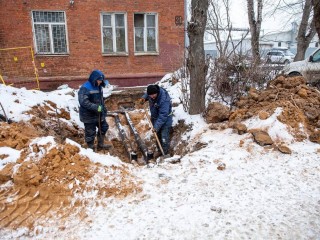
<point x="90" y="97"/>
<point x="161" y="109"/>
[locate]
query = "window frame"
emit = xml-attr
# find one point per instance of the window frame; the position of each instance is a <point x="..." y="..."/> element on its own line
<point x="315" y="54"/>
<point x="145" y="52"/>
<point x="51" y="53"/>
<point x="113" y="26"/>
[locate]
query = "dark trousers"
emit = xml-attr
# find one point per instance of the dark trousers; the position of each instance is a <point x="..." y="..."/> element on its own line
<point x="164" y="133"/>
<point x="90" y="130"/>
<point x="164" y="137"/>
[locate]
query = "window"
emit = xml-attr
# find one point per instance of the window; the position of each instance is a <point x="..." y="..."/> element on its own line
<point x="145" y="33"/>
<point x="114" y="33"/>
<point x="279" y="44"/>
<point x="316" y="44"/>
<point x="316" y="57"/>
<point x="50" y="32"/>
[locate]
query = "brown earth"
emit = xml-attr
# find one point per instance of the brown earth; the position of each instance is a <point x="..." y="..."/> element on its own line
<point x="300" y="104"/>
<point x="48" y="181"/>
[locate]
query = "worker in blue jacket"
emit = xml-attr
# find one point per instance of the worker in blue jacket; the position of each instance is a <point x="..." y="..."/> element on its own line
<point x="93" y="111"/>
<point x="161" y="113"/>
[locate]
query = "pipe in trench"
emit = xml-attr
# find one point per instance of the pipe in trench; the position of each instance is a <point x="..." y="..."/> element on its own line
<point x="123" y="136"/>
<point x="138" y="139"/>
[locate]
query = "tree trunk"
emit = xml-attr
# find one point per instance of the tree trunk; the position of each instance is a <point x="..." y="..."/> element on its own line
<point x="316" y="16"/>
<point x="306" y="32"/>
<point x="255" y="26"/>
<point x="196" y="58"/>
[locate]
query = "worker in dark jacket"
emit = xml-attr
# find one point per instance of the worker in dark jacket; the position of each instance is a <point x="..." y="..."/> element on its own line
<point x="92" y="110"/>
<point x="161" y="113"/>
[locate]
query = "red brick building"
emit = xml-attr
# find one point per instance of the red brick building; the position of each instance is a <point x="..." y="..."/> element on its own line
<point x="133" y="42"/>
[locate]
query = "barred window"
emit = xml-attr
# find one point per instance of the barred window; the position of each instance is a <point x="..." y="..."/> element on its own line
<point x="145" y="32"/>
<point x="50" y="32"/>
<point x="114" y="32"/>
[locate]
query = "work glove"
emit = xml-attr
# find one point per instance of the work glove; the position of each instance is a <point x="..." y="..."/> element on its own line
<point x="100" y="108"/>
<point x="141" y="101"/>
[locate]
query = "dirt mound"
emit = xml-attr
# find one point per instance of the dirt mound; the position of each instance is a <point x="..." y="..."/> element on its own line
<point x="48" y="121"/>
<point x="300" y="105"/>
<point x="16" y="135"/>
<point x="49" y="180"/>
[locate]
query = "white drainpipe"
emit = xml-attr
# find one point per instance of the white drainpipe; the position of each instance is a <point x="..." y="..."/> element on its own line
<point x="186" y="40"/>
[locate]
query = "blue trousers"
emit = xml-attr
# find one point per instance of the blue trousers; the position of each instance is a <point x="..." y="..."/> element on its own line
<point x="164" y="137"/>
<point x="164" y="133"/>
<point x="90" y="130"/>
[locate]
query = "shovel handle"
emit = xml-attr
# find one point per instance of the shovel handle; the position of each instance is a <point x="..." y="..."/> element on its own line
<point x="155" y="134"/>
<point x="99" y="130"/>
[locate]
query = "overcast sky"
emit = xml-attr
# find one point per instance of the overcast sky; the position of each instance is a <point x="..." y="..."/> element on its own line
<point x="276" y="22"/>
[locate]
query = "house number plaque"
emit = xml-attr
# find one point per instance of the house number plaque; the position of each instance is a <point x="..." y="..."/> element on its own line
<point x="178" y="20"/>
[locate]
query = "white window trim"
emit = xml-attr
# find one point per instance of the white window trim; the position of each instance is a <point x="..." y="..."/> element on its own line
<point x="50" y="34"/>
<point x="145" y="34"/>
<point x="113" y="22"/>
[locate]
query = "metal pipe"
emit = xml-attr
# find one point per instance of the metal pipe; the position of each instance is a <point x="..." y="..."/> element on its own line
<point x="5" y="115"/>
<point x="186" y="43"/>
<point x="149" y="155"/>
<point x="137" y="137"/>
<point x="122" y="133"/>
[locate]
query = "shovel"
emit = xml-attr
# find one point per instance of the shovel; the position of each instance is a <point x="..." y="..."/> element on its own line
<point x="155" y="135"/>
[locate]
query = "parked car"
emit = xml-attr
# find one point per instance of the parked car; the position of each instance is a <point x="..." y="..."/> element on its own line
<point x="280" y="56"/>
<point x="308" y="68"/>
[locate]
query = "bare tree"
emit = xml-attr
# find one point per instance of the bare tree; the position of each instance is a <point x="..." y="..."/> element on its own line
<point x="196" y="57"/>
<point x="255" y="27"/>
<point x="316" y="16"/>
<point x="306" y="31"/>
<point x="220" y="27"/>
<point x="300" y="11"/>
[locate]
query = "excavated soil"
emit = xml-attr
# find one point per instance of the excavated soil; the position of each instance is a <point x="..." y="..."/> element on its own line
<point x="45" y="180"/>
<point x="300" y="106"/>
<point x="48" y="180"/>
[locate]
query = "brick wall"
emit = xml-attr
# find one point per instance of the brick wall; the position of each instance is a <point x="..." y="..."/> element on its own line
<point x="84" y="37"/>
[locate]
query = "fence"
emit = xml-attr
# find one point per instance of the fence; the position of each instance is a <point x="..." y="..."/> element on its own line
<point x="17" y="68"/>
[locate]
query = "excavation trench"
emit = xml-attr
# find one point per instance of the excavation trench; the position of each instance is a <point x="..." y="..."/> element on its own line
<point x="50" y="178"/>
<point x="129" y="131"/>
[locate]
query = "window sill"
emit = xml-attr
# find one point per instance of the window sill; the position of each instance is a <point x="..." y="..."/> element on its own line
<point x="52" y="55"/>
<point x="146" y="53"/>
<point x="115" y="54"/>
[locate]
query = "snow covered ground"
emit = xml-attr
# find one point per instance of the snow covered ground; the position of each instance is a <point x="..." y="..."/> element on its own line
<point x="261" y="194"/>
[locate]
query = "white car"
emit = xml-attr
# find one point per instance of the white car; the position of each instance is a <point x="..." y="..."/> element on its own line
<point x="308" y="68"/>
<point x="280" y="56"/>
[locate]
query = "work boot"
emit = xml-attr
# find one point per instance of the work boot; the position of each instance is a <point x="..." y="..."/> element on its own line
<point x="91" y="145"/>
<point x="101" y="145"/>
